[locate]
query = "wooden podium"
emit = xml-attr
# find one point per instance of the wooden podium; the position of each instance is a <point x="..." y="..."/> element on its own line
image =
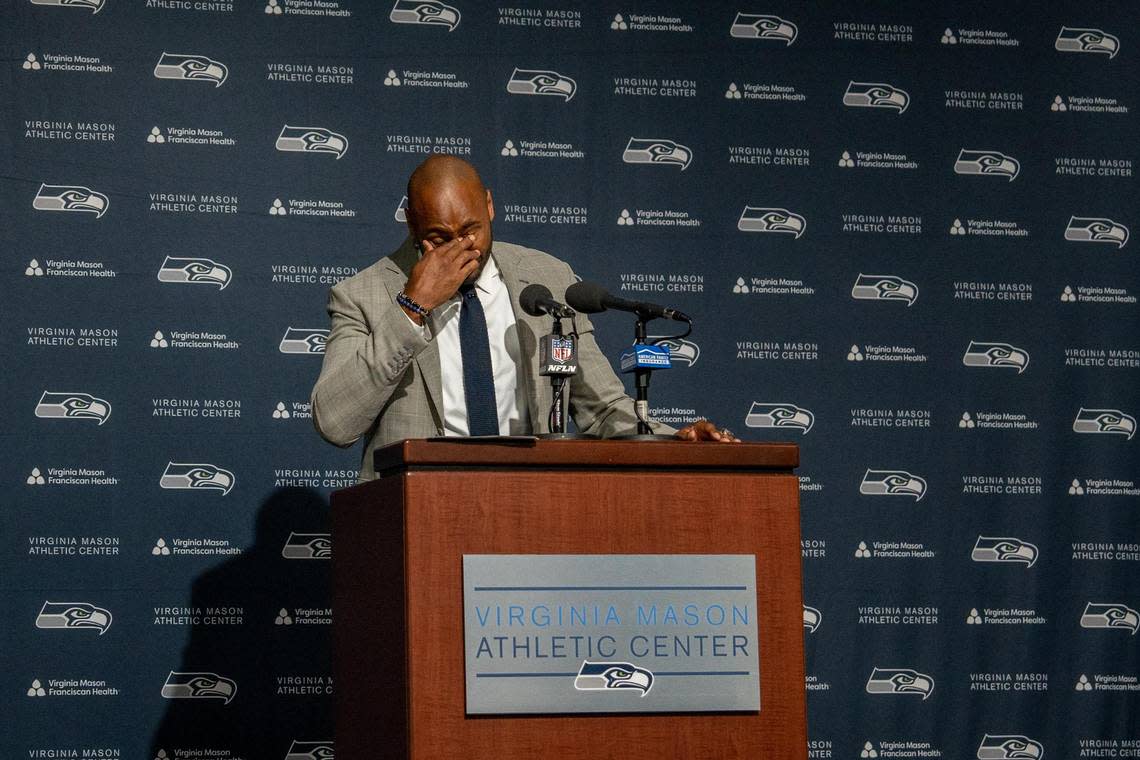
<point x="398" y="607"/>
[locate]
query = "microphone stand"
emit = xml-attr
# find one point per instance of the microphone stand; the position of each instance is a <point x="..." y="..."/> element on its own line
<point x="557" y="417"/>
<point x="641" y="377"/>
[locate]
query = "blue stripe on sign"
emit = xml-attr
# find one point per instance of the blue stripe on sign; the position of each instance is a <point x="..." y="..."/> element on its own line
<point x="610" y="588"/>
<point x="671" y="673"/>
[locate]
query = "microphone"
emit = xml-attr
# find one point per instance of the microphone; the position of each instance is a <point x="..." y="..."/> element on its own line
<point x="536" y="300"/>
<point x="591" y="298"/>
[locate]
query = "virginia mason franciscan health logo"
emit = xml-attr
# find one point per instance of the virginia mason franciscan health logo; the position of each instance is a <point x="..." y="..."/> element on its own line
<point x="194" y="68"/>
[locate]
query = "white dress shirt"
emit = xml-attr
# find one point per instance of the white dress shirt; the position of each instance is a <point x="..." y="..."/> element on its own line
<point x="502" y="333"/>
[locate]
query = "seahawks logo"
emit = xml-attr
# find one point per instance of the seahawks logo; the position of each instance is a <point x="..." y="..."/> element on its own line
<point x="605" y="676"/>
<point x="195" y="68"/>
<point x="401" y="214"/>
<point x="1072" y="40"/>
<point x="88" y="5"/>
<point x="198" y="686"/>
<point x="900" y="681"/>
<point x="762" y="219"/>
<point x="194" y="271"/>
<point x="1084" y="229"/>
<point x="1000" y="355"/>
<point x="299" y="340"/>
<point x="75" y="615"/>
<point x="812" y="618"/>
<point x="1106" y="421"/>
<point x="754" y="26"/>
<point x="648" y="151"/>
<point x="73" y="406"/>
<point x="70" y="198"/>
<point x="680" y="350"/>
<point x="425" y="12"/>
<point x="1110" y="616"/>
<point x="892" y="483"/>
<point x="312" y="140"/>
<point x="875" y="95"/>
<point x="762" y="415"/>
<point x="884" y="287"/>
<point x="536" y="82"/>
<point x="994" y="549"/>
<point x="1005" y="747"/>
<point x="307" y="546"/>
<point x="310" y="751"/>
<point x="987" y="163"/>
<point x="185" y="476"/>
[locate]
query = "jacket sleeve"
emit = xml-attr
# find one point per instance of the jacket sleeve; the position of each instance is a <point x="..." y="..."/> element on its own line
<point x="365" y="357"/>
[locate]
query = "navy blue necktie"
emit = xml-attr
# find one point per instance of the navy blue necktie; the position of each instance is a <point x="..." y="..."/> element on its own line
<point x="478" y="376"/>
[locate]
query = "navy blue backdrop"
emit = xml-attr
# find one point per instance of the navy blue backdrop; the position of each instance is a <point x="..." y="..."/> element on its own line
<point x="902" y="229"/>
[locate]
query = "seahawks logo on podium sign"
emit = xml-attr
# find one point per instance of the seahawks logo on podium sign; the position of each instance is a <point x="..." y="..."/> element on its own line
<point x="1000" y="355"/>
<point x="1083" y="229"/>
<point x="1008" y="746"/>
<point x="198" y="686"/>
<point x="900" y="681"/>
<point x="1073" y="40"/>
<point x="764" y="219"/>
<point x="608" y="676"/>
<point x="427" y="12"/>
<point x="194" y="271"/>
<point x="680" y="350"/>
<point x="74" y="615"/>
<point x="307" y="546"/>
<point x="1104" y="421"/>
<point x="755" y="26"/>
<point x="1098" y="615"/>
<point x="195" y="68"/>
<point x="301" y="340"/>
<point x="812" y="618"/>
<point x="310" y="751"/>
<point x="763" y="415"/>
<point x="73" y="406"/>
<point x="1004" y="549"/>
<point x="75" y="198"/>
<point x="989" y="163"/>
<point x="311" y="140"/>
<point x="641" y="150"/>
<point x="88" y="5"/>
<point x="892" y="483"/>
<point x="884" y="287"/>
<point x="178" y="477"/>
<point x="875" y="95"/>
<point x="538" y="82"/>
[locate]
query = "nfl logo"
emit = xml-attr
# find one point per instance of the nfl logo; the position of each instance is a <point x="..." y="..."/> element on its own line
<point x="562" y="349"/>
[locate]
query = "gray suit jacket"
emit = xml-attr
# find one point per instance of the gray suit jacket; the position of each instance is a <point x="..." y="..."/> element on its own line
<point x="381" y="377"/>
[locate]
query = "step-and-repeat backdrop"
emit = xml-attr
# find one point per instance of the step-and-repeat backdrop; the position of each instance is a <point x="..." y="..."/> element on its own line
<point x="903" y="231"/>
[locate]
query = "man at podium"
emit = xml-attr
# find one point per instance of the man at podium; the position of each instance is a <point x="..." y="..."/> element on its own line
<point x="431" y="340"/>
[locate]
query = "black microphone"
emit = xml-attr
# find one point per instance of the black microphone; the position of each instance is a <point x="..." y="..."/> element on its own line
<point x="591" y="298"/>
<point x="536" y="300"/>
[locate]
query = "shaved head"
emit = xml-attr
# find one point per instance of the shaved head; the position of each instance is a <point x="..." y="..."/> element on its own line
<point x="446" y="201"/>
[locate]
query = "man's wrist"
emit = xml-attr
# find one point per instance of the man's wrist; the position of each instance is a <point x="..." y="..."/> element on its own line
<point x="414" y="309"/>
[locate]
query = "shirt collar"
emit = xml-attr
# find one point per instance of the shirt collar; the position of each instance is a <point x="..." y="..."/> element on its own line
<point x="489" y="277"/>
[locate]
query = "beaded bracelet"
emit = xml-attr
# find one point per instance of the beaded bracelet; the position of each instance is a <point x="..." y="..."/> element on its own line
<point x="403" y="299"/>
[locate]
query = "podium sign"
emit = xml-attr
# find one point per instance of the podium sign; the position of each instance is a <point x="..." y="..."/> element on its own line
<point x="610" y="633"/>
